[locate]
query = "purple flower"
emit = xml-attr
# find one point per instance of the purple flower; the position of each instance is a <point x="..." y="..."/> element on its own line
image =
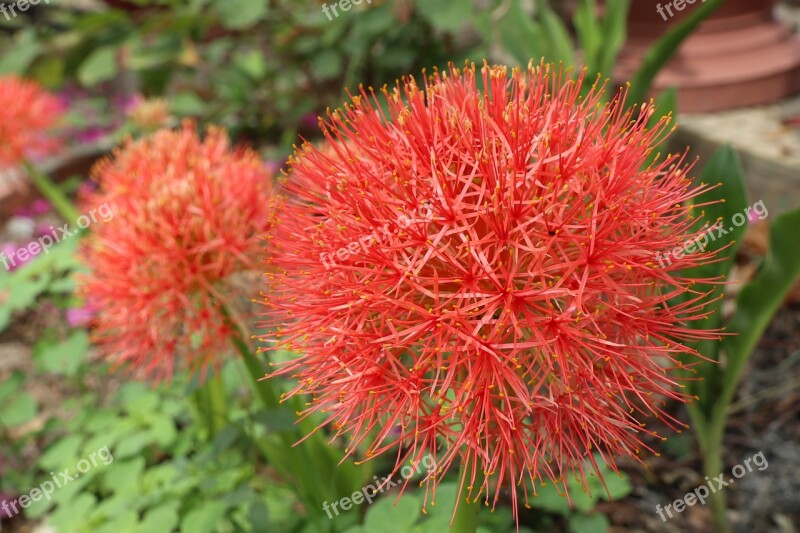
<point x="309" y="121"/>
<point x="9" y="258"/>
<point x="273" y="166"/>
<point x="36" y="208"/>
<point x="78" y="317"/>
<point x="6" y="497"/>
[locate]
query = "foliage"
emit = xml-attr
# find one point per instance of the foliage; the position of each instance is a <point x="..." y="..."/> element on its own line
<point x="756" y="304"/>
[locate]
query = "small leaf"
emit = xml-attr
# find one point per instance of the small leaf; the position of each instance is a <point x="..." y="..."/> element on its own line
<point x="161" y="519"/>
<point x="99" y="66"/>
<point x="19" y="410"/>
<point x="64" y="358"/>
<point x="241" y="14"/>
<point x="63" y="454"/>
<point x="203" y="519"/>
<point x="588" y="523"/>
<point x="385" y="516"/>
<point x="448" y="15"/>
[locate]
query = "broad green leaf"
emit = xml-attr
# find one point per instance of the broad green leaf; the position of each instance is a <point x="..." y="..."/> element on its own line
<point x="203" y="519"/>
<point x="448" y="15"/>
<point x="21" y="409"/>
<point x="588" y="29"/>
<point x="133" y="444"/>
<point x="559" y="43"/>
<point x="123" y="477"/>
<point x="163" y="519"/>
<point x="588" y="523"/>
<point x="326" y="64"/>
<point x="251" y="63"/>
<point x="63" y="454"/>
<point x="760" y="299"/>
<point x="615" y="25"/>
<point x="63" y="358"/>
<point x="383" y="515"/>
<point x="73" y="517"/>
<point x="259" y="516"/>
<point x="726" y="169"/>
<point x="99" y="66"/>
<point x="187" y="104"/>
<point x="241" y="14"/>
<point x="126" y="521"/>
<point x="11" y="385"/>
<point x="520" y="35"/>
<point x="21" y="53"/>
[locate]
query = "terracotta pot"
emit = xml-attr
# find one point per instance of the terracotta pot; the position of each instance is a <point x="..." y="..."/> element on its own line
<point x="740" y="56"/>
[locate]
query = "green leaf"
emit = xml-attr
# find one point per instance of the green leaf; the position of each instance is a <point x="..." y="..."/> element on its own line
<point x="11" y="385"/>
<point x="259" y="516"/>
<point x="326" y="64"/>
<point x="618" y="486"/>
<point x="62" y="454"/>
<point x="662" y="50"/>
<point x="73" y="517"/>
<point x="204" y="519"/>
<point x="588" y="30"/>
<point x="241" y="14"/>
<point x="666" y="105"/>
<point x="21" y="53"/>
<point x="123" y="477"/>
<point x="64" y="358"/>
<point x="383" y="515"/>
<point x="760" y="299"/>
<point x="187" y="104"/>
<point x="520" y="35"/>
<point x="615" y="25"/>
<point x="551" y="498"/>
<point x="447" y="15"/>
<point x="556" y="35"/>
<point x="99" y="66"/>
<point x="125" y="522"/>
<point x="133" y="444"/>
<point x="19" y="410"/>
<point x="726" y="169"/>
<point x="251" y="63"/>
<point x="162" y="519"/>
<point x="588" y="523"/>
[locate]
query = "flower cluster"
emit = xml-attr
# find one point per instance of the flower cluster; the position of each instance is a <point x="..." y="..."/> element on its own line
<point x="524" y="325"/>
<point x="28" y="112"/>
<point x="189" y="213"/>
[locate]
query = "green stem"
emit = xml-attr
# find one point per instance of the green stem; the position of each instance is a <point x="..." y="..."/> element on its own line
<point x="53" y="193"/>
<point x="466" y="518"/>
<point x="211" y="403"/>
<point x="712" y="463"/>
<point x="710" y="434"/>
<point x="312" y="466"/>
<point x="261" y="388"/>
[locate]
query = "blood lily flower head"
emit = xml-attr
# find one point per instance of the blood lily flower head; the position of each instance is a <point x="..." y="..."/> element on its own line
<point x="478" y="269"/>
<point x="28" y="113"/>
<point x="188" y="214"/>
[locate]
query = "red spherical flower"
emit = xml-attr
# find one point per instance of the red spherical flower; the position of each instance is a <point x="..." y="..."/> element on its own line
<point x="177" y="217"/>
<point x="472" y="275"/>
<point x="28" y="113"/>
